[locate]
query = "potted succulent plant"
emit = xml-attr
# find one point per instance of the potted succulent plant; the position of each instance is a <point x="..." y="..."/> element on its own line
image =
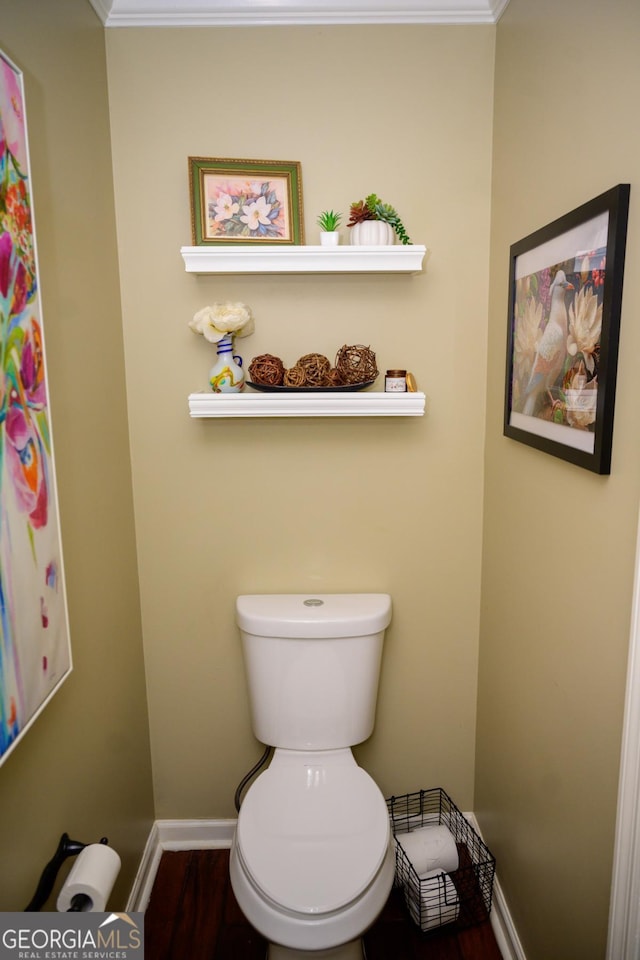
<point x="373" y="223"/>
<point x="329" y="221"/>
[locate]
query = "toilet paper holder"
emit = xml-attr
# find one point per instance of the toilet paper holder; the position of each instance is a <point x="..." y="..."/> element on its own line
<point x="66" y="848"/>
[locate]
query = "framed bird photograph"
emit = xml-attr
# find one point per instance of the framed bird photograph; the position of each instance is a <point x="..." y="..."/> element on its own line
<point x="565" y="294"/>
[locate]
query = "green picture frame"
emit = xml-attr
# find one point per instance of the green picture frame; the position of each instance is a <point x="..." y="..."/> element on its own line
<point x="240" y="202"/>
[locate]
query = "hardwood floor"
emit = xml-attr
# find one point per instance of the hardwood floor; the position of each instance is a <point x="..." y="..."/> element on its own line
<point x="193" y="915"/>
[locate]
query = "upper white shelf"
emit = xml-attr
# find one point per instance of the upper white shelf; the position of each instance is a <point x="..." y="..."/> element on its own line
<point x="304" y="259"/>
<point x="307" y="404"/>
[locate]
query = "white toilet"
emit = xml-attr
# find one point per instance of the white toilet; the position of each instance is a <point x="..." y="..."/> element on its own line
<point x="312" y="861"/>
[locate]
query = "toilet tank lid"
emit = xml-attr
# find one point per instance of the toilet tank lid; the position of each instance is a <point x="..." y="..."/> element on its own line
<point x="313" y="616"/>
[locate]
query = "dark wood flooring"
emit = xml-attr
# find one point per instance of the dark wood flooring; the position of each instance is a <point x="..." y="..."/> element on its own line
<point x="193" y="915"/>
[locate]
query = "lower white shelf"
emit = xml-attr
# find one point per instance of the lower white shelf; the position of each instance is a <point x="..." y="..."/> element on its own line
<point x="307" y="404"/>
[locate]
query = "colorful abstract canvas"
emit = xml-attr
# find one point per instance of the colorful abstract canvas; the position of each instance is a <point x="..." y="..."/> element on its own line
<point x="35" y="654"/>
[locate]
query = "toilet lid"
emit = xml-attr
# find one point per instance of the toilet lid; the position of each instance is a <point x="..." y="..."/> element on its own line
<point x="313" y="837"/>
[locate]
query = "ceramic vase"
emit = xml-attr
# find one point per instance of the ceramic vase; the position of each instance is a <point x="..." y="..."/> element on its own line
<point x="372" y="233"/>
<point x="226" y="375"/>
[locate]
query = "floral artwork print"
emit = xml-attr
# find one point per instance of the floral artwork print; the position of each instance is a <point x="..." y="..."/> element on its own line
<point x="563" y="333"/>
<point x="245" y="202"/>
<point x="241" y="208"/>
<point x="556" y="343"/>
<point x="34" y="645"/>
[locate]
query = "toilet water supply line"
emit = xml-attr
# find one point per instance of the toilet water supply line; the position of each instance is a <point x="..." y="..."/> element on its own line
<point x="249" y="776"/>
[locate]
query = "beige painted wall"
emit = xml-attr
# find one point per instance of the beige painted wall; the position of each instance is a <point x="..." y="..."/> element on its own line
<point x="84" y="766"/>
<point x="559" y="542"/>
<point x="226" y="507"/>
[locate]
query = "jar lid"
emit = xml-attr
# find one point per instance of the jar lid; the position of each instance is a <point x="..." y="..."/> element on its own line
<point x="396" y="373"/>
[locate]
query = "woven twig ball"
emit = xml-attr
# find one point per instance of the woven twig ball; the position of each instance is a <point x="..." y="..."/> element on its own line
<point x="356" y="363"/>
<point x="335" y="379"/>
<point x="294" y="377"/>
<point x="267" y="369"/>
<point x="316" y="369"/>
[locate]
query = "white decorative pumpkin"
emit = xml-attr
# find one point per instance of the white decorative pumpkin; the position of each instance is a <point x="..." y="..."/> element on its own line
<point x="372" y="233"/>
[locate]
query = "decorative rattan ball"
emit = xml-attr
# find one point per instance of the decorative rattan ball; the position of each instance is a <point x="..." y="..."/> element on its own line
<point x="356" y="363"/>
<point x="267" y="369"/>
<point x="294" y="377"/>
<point x="316" y="369"/>
<point x="335" y="380"/>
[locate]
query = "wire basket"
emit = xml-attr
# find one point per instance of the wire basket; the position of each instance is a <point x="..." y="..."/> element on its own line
<point x="462" y="897"/>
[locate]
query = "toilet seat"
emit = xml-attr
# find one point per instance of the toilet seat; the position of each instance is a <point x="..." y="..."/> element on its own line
<point x="321" y="810"/>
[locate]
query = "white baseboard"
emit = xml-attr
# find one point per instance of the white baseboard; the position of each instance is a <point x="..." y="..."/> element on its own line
<point x="501" y="922"/>
<point x="218" y="834"/>
<point x="175" y="835"/>
<point x="503" y="928"/>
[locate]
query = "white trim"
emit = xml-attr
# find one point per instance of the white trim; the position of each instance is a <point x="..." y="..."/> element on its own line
<point x="366" y="403"/>
<point x="305" y="258"/>
<point x="498" y="9"/>
<point x="503" y="927"/>
<point x="196" y="834"/>
<point x="102" y="8"/>
<point x="175" y="835"/>
<point x="501" y="922"/>
<point x="624" y="915"/>
<point x="197" y="13"/>
<point x="146" y="875"/>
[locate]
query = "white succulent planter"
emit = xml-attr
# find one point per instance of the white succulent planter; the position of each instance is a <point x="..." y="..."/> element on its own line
<point x="372" y="233"/>
<point x="329" y="238"/>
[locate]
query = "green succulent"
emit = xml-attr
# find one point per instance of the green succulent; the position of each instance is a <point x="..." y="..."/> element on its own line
<point x="372" y="208"/>
<point x="387" y="213"/>
<point x="329" y="220"/>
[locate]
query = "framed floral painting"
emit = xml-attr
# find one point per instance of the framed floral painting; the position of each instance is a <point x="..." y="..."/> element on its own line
<point x="35" y="654"/>
<point x="245" y="201"/>
<point x="565" y="295"/>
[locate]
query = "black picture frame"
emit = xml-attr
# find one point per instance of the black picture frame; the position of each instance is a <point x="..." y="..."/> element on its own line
<point x="565" y="296"/>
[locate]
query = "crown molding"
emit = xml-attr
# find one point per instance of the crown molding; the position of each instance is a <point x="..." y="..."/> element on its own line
<point x="234" y="13"/>
<point x="102" y="8"/>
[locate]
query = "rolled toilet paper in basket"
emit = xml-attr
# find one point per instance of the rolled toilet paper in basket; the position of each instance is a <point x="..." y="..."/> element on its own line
<point x="93" y="875"/>
<point x="439" y="902"/>
<point x="430" y="848"/>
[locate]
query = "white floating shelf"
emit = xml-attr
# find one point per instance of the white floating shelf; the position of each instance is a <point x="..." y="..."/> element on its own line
<point x="404" y="258"/>
<point x="307" y="404"/>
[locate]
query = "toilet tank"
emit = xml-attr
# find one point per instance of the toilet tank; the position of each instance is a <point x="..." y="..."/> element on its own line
<point x="312" y="664"/>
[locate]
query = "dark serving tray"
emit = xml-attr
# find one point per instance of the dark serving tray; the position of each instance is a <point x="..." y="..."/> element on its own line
<point x="345" y="388"/>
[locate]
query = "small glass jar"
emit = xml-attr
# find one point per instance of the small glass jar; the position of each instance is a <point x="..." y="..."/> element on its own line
<point x="395" y="381"/>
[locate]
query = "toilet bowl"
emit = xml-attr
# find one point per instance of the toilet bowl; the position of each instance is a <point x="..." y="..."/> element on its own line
<point x="312" y="861"/>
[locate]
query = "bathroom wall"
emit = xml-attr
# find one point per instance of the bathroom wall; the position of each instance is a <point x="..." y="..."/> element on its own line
<point x="559" y="542"/>
<point x="229" y="507"/>
<point x="84" y="766"/>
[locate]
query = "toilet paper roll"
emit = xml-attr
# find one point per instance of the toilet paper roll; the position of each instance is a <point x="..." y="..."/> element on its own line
<point x="93" y="874"/>
<point x="430" y="848"/>
<point x="439" y="902"/>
